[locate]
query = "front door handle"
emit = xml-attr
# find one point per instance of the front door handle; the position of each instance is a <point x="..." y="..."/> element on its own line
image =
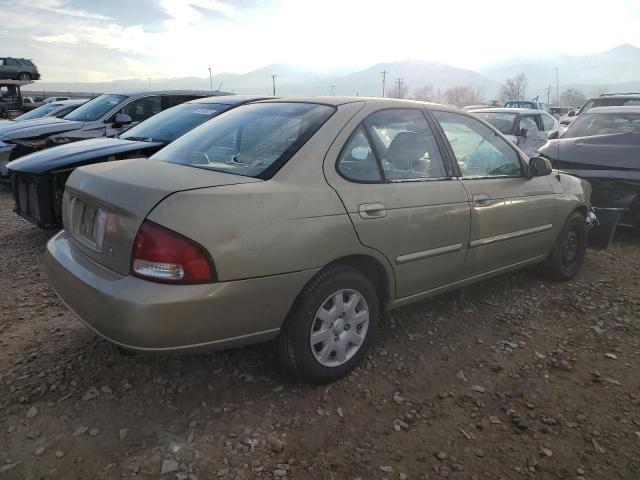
<point x="372" y="210"/>
<point x="481" y="200"/>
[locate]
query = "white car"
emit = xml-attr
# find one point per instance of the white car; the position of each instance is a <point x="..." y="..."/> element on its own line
<point x="54" y="99"/>
<point x="529" y="129"/>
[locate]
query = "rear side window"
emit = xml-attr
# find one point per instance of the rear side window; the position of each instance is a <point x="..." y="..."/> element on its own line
<point x="548" y="122"/>
<point x="251" y="140"/>
<point x="357" y="160"/>
<point x="479" y="151"/>
<point x="404" y="143"/>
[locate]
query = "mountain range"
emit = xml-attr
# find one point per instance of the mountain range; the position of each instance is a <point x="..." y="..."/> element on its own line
<point x="617" y="69"/>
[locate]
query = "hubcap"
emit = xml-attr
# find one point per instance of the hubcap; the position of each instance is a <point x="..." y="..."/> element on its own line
<point x="570" y="250"/>
<point x="339" y="328"/>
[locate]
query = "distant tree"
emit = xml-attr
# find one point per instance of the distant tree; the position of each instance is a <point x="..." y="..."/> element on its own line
<point x="399" y="90"/>
<point x="424" y="94"/>
<point x="572" y="97"/>
<point x="462" y="96"/>
<point x="514" y="88"/>
<point x="599" y="90"/>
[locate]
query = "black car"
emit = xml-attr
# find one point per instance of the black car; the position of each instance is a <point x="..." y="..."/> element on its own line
<point x="105" y="116"/>
<point x="604" y="100"/>
<point x="603" y="147"/>
<point x="38" y="179"/>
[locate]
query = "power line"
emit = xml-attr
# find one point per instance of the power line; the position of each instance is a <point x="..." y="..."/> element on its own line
<point x="273" y="80"/>
<point x="384" y="79"/>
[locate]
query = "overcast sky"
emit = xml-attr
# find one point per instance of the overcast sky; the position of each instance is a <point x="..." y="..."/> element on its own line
<point x="103" y="40"/>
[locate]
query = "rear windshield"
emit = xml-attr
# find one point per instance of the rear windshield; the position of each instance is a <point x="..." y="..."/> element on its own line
<point x="173" y="123"/>
<point x="590" y="124"/>
<point x="39" y="112"/>
<point x="520" y="104"/>
<point x="251" y="140"/>
<point x="502" y="121"/>
<point x="94" y="109"/>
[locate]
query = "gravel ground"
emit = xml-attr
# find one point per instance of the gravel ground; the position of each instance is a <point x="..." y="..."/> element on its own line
<point x="513" y="378"/>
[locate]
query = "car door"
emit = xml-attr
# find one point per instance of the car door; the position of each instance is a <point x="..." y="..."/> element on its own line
<point x="512" y="215"/>
<point x="390" y="172"/>
<point x="12" y="68"/>
<point x="139" y="110"/>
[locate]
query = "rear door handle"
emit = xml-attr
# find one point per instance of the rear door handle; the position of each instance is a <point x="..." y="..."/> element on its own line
<point x="481" y="200"/>
<point x="372" y="210"/>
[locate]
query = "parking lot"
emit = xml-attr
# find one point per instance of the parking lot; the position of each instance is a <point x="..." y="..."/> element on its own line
<point x="513" y="378"/>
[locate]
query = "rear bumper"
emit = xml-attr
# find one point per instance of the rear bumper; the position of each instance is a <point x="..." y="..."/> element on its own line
<point x="147" y="316"/>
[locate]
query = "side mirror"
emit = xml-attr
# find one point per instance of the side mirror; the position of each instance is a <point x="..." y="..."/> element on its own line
<point x="122" y="119"/>
<point x="553" y="135"/>
<point x="522" y="132"/>
<point x="539" y="167"/>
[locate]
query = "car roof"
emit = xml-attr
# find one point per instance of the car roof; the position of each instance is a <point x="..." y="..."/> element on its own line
<point x="231" y="99"/>
<point x="142" y="93"/>
<point x="375" y="101"/>
<point x="617" y="109"/>
<point x="507" y="110"/>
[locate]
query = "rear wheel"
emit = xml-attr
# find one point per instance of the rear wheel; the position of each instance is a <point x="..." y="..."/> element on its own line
<point x="567" y="256"/>
<point x="330" y="326"/>
<point x="25" y="77"/>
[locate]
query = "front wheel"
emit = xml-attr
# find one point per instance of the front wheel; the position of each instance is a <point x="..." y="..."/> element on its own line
<point x="330" y="326"/>
<point x="567" y="256"/>
<point x="25" y="77"/>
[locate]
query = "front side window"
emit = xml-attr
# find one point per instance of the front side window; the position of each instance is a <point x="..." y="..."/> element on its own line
<point x="529" y="123"/>
<point x="252" y="140"/>
<point x="548" y="122"/>
<point x="142" y="108"/>
<point x="479" y="151"/>
<point x="95" y="109"/>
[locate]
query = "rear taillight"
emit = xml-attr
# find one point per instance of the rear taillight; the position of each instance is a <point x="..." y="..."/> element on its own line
<point x="162" y="255"/>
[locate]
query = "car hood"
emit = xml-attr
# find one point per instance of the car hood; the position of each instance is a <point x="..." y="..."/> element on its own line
<point x="601" y="152"/>
<point x="37" y="127"/>
<point x="127" y="191"/>
<point x="77" y="153"/>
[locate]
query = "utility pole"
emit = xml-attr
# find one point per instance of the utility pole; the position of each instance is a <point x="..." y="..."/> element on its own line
<point x="149" y="78"/>
<point x="384" y="79"/>
<point x="400" y="94"/>
<point x="548" y="94"/>
<point x="273" y="81"/>
<point x="210" y="81"/>
<point x="557" y="89"/>
<point x="332" y="87"/>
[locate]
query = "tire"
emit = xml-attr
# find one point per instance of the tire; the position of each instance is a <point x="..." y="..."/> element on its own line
<point x="567" y="255"/>
<point x="333" y="355"/>
<point x="24" y="77"/>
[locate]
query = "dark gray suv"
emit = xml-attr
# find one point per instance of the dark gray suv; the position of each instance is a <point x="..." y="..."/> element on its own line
<point x="18" y="69"/>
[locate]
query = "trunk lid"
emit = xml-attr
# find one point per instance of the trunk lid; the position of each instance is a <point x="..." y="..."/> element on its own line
<point x="105" y="204"/>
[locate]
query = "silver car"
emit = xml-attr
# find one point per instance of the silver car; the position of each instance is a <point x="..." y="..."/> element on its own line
<point x="301" y="220"/>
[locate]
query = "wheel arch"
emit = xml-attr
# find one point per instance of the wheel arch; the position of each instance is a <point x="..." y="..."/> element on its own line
<point x="380" y="276"/>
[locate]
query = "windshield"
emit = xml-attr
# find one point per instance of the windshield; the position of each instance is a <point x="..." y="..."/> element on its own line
<point x="173" y="123"/>
<point x="252" y="140"/>
<point x="94" y="109"/>
<point x="590" y="124"/>
<point x="502" y="121"/>
<point x="39" y="112"/>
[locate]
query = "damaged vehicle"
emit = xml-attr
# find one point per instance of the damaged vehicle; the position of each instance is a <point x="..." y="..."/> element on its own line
<point x="300" y="220"/>
<point x="38" y="179"/>
<point x="602" y="146"/>
<point x="104" y="116"/>
<point x="527" y="128"/>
